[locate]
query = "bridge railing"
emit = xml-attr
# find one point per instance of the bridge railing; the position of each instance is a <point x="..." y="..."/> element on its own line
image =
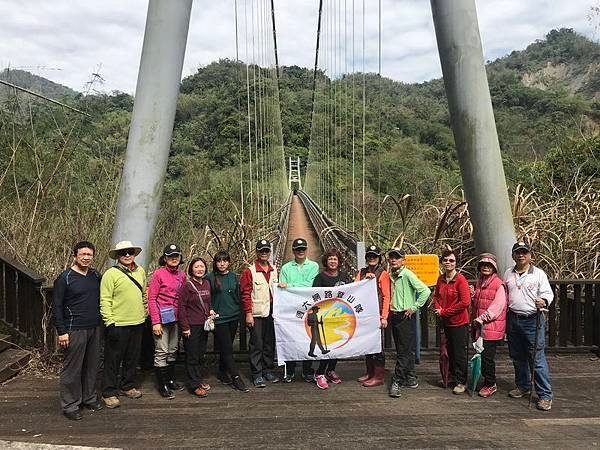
<point x="282" y="231"/>
<point x="573" y="317"/>
<point x="330" y="234"/>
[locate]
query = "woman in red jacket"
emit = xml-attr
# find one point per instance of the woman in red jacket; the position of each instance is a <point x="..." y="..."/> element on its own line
<point x="451" y="302"/>
<point x="489" y="316"/>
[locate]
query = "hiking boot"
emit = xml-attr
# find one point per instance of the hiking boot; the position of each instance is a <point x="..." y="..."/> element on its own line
<point x="459" y="389"/>
<point x="73" y="415"/>
<point x="162" y="383"/>
<point x="487" y="391"/>
<point x="224" y="378"/>
<point x="332" y="377"/>
<point x="238" y="383"/>
<point x="132" y="393"/>
<point x="518" y="392"/>
<point x="171" y="383"/>
<point x="369" y="373"/>
<point x="199" y="392"/>
<point x="111" y="402"/>
<point x="259" y="382"/>
<point x="395" y="389"/>
<point x="289" y="378"/>
<point x="271" y="377"/>
<point x="321" y="381"/>
<point x="94" y="406"/>
<point x="544" y="404"/>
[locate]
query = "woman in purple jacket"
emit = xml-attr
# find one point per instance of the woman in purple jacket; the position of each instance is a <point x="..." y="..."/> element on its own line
<point x="162" y="306"/>
<point x="194" y="309"/>
<point x="489" y="317"/>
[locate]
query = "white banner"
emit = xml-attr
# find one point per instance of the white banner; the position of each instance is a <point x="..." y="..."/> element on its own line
<point x="327" y="323"/>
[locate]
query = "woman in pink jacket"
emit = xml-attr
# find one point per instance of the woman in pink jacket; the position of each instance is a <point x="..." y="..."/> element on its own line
<point x="489" y="317"/>
<point x="163" y="307"/>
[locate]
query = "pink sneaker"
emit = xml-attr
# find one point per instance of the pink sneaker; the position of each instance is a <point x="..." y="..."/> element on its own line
<point x="332" y="377"/>
<point x="321" y="381"/>
<point x="487" y="391"/>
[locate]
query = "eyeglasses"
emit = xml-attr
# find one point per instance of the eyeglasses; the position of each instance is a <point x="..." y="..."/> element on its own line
<point x="448" y="260"/>
<point x="127" y="252"/>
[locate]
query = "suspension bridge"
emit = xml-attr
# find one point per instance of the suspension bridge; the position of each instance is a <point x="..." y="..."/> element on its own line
<point x="285" y="197"/>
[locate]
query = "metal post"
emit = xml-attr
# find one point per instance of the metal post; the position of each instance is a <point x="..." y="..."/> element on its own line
<point x="472" y="117"/>
<point x="149" y="140"/>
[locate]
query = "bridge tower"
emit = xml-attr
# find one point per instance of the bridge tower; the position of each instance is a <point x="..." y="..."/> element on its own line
<point x="294" y="180"/>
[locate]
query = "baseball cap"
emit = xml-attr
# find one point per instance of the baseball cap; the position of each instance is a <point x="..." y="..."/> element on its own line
<point x="171" y="249"/>
<point x="373" y="250"/>
<point x="263" y="244"/>
<point x="397" y="251"/>
<point x="521" y="246"/>
<point x="299" y="243"/>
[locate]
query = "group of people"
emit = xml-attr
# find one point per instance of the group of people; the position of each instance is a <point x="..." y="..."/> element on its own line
<point x="193" y="303"/>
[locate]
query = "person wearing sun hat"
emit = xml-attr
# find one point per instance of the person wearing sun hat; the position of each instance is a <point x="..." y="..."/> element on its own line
<point x="163" y="305"/>
<point x="489" y="317"/>
<point x="123" y="307"/>
<point x="528" y="293"/>
<point x="256" y="286"/>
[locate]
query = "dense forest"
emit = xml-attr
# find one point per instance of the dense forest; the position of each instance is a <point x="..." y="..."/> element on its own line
<point x="60" y="170"/>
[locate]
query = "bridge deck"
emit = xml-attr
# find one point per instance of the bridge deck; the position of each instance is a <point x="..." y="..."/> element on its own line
<point x="300" y="227"/>
<point x="299" y="415"/>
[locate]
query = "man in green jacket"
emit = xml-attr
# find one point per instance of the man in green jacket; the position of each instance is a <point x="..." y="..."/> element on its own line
<point x="408" y="295"/>
<point x="123" y="306"/>
<point x="299" y="272"/>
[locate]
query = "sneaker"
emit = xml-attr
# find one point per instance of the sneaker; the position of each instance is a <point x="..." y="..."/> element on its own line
<point x="205" y="386"/>
<point x="459" y="389"/>
<point x="224" y="378"/>
<point x="199" y="392"/>
<point x="487" y="391"/>
<point x="395" y="389"/>
<point x="411" y="384"/>
<point x="518" y="392"/>
<point x="73" y="415"/>
<point x="111" y="402"/>
<point x="238" y="383"/>
<point x="271" y="377"/>
<point x="308" y="377"/>
<point x="544" y="404"/>
<point x="332" y="377"/>
<point x="132" y="393"/>
<point x="259" y="382"/>
<point x="94" y="406"/>
<point x="321" y="381"/>
<point x="289" y="378"/>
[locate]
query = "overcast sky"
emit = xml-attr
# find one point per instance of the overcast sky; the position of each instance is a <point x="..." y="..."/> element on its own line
<point x="84" y="37"/>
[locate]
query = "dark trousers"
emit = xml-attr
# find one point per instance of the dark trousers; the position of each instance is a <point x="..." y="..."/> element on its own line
<point x="147" y="352"/>
<point x="326" y="365"/>
<point x="488" y="362"/>
<point x="404" y="334"/>
<point x="378" y="358"/>
<point x="224" y="336"/>
<point x="122" y="346"/>
<point x="262" y="345"/>
<point x="80" y="369"/>
<point x="195" y="348"/>
<point x="290" y="367"/>
<point x="457" y="352"/>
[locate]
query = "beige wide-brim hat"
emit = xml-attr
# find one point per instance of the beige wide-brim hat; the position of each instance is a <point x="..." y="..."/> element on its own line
<point x="122" y="246"/>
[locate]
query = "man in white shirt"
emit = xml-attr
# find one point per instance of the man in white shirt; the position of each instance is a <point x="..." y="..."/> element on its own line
<point x="528" y="292"/>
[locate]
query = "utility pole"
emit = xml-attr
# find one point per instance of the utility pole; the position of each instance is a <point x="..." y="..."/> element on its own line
<point x="475" y="135"/>
<point x="151" y="128"/>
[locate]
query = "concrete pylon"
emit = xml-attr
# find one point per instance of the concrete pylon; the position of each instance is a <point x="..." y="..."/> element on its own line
<point x="475" y="135"/>
<point x="151" y="128"/>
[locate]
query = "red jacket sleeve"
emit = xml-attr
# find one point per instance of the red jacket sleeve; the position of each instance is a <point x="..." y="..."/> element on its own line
<point x="463" y="300"/>
<point x="385" y="284"/>
<point x="246" y="290"/>
<point x="184" y="296"/>
<point x="436" y="295"/>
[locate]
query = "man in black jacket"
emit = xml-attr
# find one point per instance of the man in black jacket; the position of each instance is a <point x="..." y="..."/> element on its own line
<point x="76" y="311"/>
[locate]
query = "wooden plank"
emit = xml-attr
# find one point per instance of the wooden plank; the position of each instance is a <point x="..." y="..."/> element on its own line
<point x="564" y="324"/>
<point x="2" y="292"/>
<point x="12" y="361"/>
<point x="11" y="290"/>
<point x="588" y="315"/>
<point x="576" y="325"/>
<point x="425" y="327"/>
<point x="552" y="318"/>
<point x="25" y="271"/>
<point x="597" y="315"/>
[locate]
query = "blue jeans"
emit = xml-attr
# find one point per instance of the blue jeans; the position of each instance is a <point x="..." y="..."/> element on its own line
<point x="521" y="336"/>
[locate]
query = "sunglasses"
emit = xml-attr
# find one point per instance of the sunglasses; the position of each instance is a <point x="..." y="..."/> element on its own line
<point x="127" y="252"/>
<point x="448" y="260"/>
<point x="264" y="250"/>
<point x="301" y="249"/>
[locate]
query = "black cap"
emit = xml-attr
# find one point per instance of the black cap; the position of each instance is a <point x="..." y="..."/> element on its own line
<point x="373" y="250"/>
<point x="172" y="249"/>
<point x="299" y="243"/>
<point x="396" y="251"/>
<point x="263" y="244"/>
<point x="521" y="246"/>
